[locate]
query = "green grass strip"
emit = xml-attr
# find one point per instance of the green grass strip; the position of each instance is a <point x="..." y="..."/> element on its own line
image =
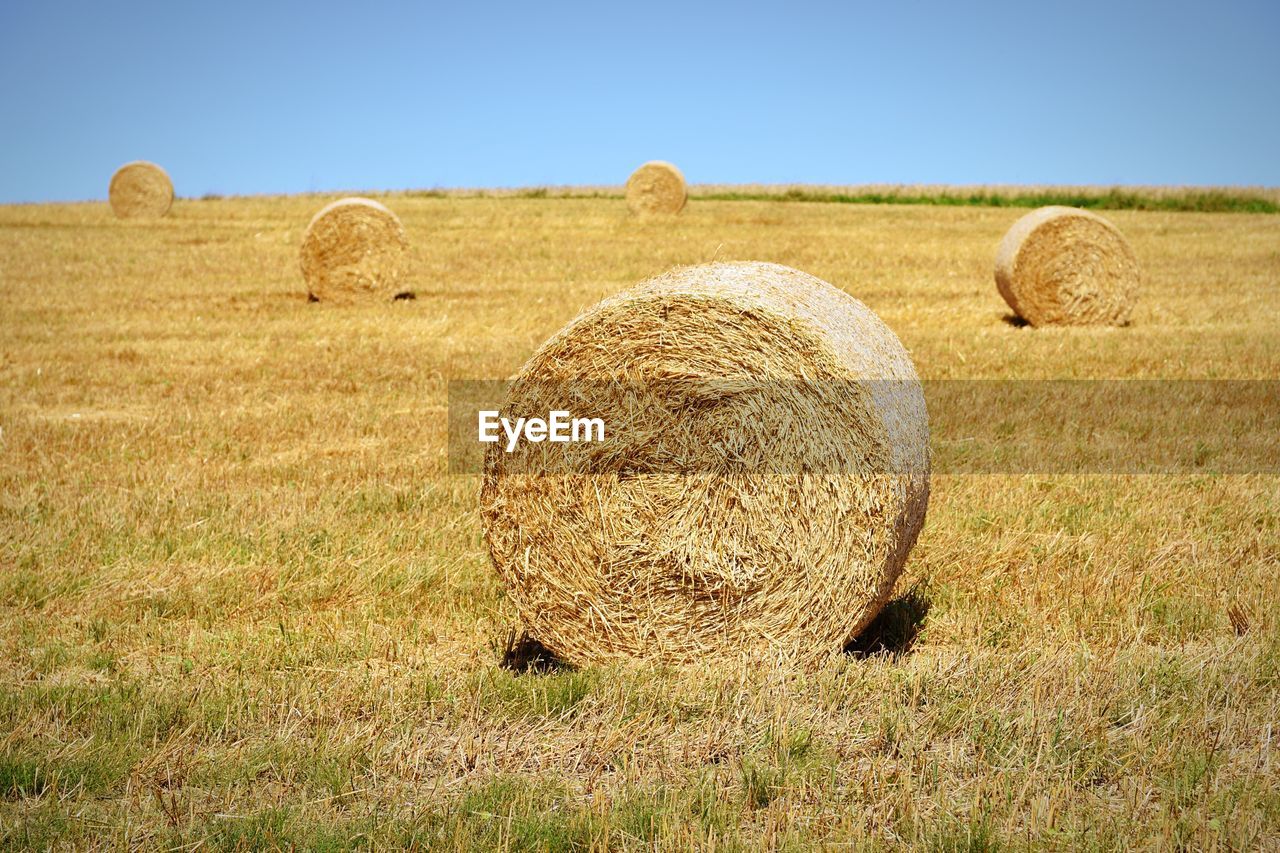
<point x="1199" y="202"/>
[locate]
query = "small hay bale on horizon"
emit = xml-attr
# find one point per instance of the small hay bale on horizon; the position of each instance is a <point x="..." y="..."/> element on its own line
<point x="1063" y="266"/>
<point x="656" y="189"/>
<point x="764" y="477"/>
<point x="354" y="249"/>
<point x="140" y="190"/>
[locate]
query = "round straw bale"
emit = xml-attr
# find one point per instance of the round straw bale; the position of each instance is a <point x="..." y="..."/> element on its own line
<point x="1066" y="266"/>
<point x="354" y="248"/>
<point x="764" y="473"/>
<point x="656" y="189"/>
<point x="140" y="190"/>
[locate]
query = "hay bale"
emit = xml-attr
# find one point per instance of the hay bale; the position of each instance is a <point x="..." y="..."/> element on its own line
<point x="656" y="189"/>
<point x="140" y="190"/>
<point x="764" y="475"/>
<point x="353" y="249"/>
<point x="1069" y="267"/>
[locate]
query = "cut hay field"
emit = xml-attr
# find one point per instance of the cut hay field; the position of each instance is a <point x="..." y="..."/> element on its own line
<point x="243" y="603"/>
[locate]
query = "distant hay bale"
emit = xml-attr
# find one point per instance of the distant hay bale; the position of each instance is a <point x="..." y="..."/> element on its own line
<point x="656" y="189"/>
<point x="1069" y="267"/>
<point x="764" y="475"/>
<point x="140" y="190"/>
<point x="354" y="248"/>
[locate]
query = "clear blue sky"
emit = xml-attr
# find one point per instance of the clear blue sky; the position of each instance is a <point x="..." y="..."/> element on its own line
<point x="256" y="97"/>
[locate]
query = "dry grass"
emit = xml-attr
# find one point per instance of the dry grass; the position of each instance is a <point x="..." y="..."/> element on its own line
<point x="242" y="604"/>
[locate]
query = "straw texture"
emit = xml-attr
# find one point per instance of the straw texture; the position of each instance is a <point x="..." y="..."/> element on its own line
<point x="656" y="189"/>
<point x="1069" y="267"/>
<point x="758" y="492"/>
<point x="140" y="190"/>
<point x="354" y="249"/>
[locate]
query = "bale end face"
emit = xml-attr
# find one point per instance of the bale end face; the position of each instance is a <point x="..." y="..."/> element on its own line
<point x="656" y="189"/>
<point x="1067" y="267"/>
<point x="140" y="190"/>
<point x="354" y="249"/>
<point x="767" y="476"/>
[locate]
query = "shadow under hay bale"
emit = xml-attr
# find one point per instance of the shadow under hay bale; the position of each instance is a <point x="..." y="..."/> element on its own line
<point x="895" y="629"/>
<point x="523" y="654"/>
<point x="1015" y="321"/>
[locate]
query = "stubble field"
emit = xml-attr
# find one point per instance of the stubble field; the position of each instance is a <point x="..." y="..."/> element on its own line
<point x="243" y="603"/>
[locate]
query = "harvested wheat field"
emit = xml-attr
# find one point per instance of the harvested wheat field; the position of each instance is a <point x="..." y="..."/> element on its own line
<point x="245" y="603"/>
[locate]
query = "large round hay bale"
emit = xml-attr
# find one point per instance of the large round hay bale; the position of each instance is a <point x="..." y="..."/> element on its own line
<point x="354" y="249"/>
<point x="656" y="189"/>
<point x="140" y="190"/>
<point x="1069" y="267"/>
<point x="764" y="474"/>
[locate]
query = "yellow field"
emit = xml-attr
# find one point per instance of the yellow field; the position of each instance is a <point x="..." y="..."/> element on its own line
<point x="243" y="604"/>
